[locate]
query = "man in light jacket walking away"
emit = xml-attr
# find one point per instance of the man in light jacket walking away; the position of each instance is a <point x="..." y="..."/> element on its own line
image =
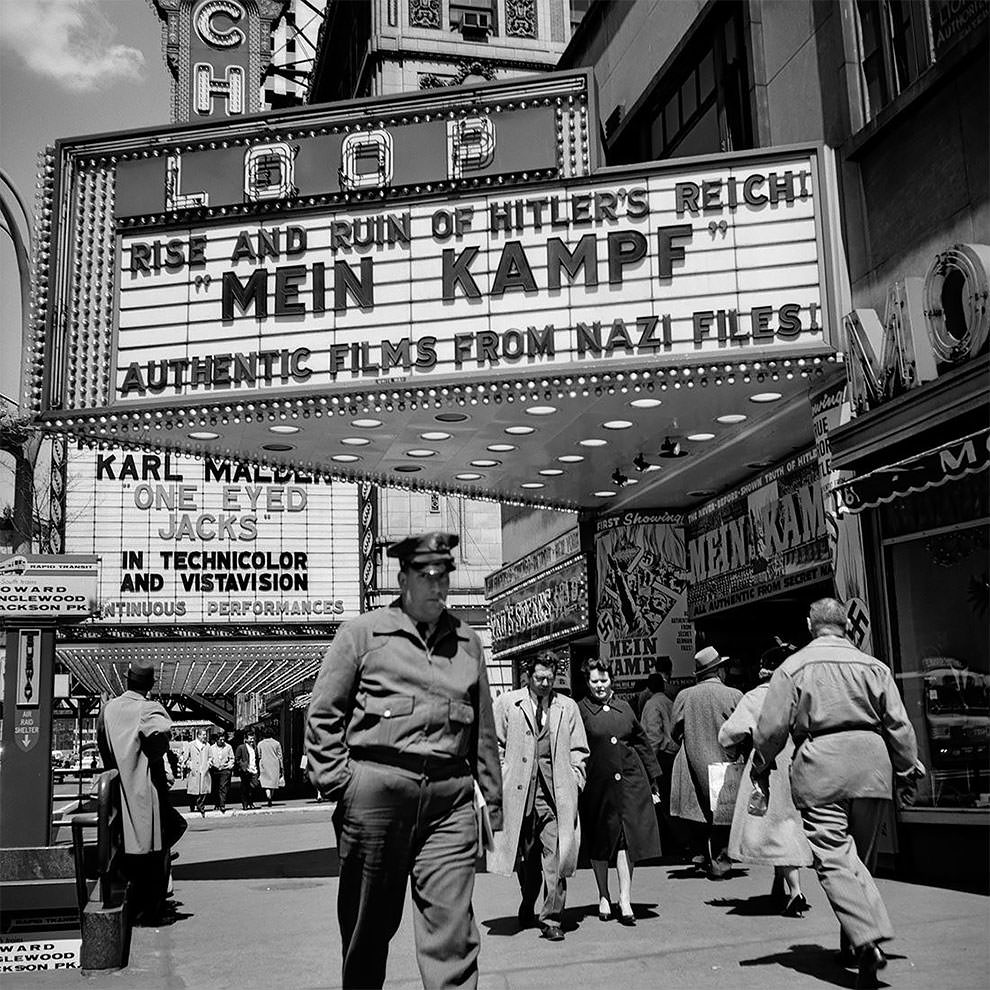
<point x="848" y="723"/>
<point x="543" y="750"/>
<point x="198" y="782"/>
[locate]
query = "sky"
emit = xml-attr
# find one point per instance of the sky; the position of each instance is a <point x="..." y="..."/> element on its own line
<point x="68" y="68"/>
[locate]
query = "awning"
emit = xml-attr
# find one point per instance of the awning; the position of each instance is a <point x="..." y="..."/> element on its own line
<point x="204" y="668"/>
<point x="948" y="462"/>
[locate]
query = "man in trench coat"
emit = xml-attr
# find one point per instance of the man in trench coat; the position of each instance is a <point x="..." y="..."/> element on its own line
<point x="132" y="734"/>
<point x="543" y="750"/>
<point x="399" y="723"/>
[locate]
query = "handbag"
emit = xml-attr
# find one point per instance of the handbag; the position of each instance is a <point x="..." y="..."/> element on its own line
<point x="723" y="789"/>
<point x="486" y="837"/>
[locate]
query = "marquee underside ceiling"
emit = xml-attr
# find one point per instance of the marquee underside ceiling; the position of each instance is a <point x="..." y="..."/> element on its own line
<point x="197" y="668"/>
<point x="433" y="437"/>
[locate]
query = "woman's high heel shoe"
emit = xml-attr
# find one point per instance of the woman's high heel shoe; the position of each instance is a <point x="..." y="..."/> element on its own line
<point x="629" y="920"/>
<point x="605" y="915"/>
<point x="796" y="907"/>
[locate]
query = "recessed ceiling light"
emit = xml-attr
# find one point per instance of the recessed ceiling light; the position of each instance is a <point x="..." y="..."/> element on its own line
<point x="520" y="431"/>
<point x="759" y="465"/>
<point x="551" y="472"/>
<point x="700" y="437"/>
<point x="701" y="493"/>
<point x="283" y="429"/>
<point x="202" y="435"/>
<point x="345" y="458"/>
<point x="407" y="468"/>
<point x="355" y="441"/>
<point x="604" y="494"/>
<point x="501" y="448"/>
<point x="570" y="458"/>
<point x="541" y="410"/>
<point x="467" y="476"/>
<point x="366" y="424"/>
<point x="451" y="417"/>
<point x="646" y="403"/>
<point x="730" y="418"/>
<point x="434" y="436"/>
<point x="485" y="462"/>
<point x="278" y="448"/>
<point x="593" y="442"/>
<point x="421" y="452"/>
<point x="617" y="424"/>
<point x="765" y="397"/>
<point x="532" y="484"/>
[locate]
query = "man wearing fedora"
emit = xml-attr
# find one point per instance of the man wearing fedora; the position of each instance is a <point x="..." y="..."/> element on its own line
<point x="399" y="729"/>
<point x="699" y="712"/>
<point x="850" y="730"/>
<point x="133" y="733"/>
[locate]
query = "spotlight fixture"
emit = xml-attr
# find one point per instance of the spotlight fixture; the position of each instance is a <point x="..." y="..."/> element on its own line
<point x="640" y="463"/>
<point x="671" y="448"/>
<point x="618" y="478"/>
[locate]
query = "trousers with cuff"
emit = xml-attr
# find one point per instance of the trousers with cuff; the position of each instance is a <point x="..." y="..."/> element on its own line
<point x="538" y="865"/>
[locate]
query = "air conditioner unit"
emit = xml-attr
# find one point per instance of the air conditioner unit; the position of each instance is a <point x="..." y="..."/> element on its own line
<point x="476" y="23"/>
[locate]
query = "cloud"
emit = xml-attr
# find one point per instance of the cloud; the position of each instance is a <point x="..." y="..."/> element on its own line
<point x="68" y="41"/>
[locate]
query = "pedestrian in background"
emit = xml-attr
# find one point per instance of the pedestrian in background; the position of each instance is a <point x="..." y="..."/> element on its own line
<point x="198" y="780"/>
<point x="246" y="762"/>
<point x="132" y="734"/>
<point x="399" y="723"/>
<point x="617" y="813"/>
<point x="542" y="750"/>
<point x="658" y="723"/>
<point x="271" y="770"/>
<point x="777" y="838"/>
<point x="699" y="713"/>
<point x="221" y="767"/>
<point x="842" y="709"/>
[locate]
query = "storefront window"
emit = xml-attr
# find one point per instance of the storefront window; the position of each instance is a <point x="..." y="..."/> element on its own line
<point x="937" y="585"/>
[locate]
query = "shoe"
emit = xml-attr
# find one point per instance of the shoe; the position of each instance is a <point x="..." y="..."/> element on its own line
<point x="552" y="933"/>
<point x="796" y="907"/>
<point x="629" y="920"/>
<point x="202" y="812"/>
<point x="526" y="916"/>
<point x="606" y="915"/>
<point x="871" y="961"/>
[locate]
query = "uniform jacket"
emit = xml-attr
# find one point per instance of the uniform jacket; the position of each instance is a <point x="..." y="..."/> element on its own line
<point x="132" y="734"/>
<point x="242" y="759"/>
<point x="198" y="764"/>
<point x="699" y="712"/>
<point x="515" y="727"/>
<point x="776" y="839"/>
<point x="843" y="711"/>
<point x="622" y="774"/>
<point x="381" y="685"/>
<point x="271" y="772"/>
<point x="221" y="756"/>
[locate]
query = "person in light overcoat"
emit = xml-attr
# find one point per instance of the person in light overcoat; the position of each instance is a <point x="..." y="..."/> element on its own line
<point x="198" y="783"/>
<point x="271" y="769"/>
<point x="517" y="733"/>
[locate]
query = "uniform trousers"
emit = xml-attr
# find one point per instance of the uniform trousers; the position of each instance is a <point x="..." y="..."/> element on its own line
<point x="392" y="824"/>
<point x="538" y="864"/>
<point x="844" y="838"/>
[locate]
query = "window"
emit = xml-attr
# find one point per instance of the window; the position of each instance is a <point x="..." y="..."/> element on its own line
<point x="895" y="48"/>
<point x="701" y="105"/>
<point x="578" y="9"/>
<point x="475" y="19"/>
<point x="936" y="583"/>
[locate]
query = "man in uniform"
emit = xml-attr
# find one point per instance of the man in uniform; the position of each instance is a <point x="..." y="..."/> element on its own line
<point x="399" y="728"/>
<point x="848" y="722"/>
<point x="133" y="735"/>
<point x="543" y="749"/>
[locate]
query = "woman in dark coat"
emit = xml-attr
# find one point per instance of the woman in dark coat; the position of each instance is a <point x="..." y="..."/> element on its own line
<point x="617" y="816"/>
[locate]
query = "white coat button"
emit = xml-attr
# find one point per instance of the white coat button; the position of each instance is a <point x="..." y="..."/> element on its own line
<point x="605" y="708"/>
<point x="618" y="776"/>
<point x="387" y="713"/>
<point x="614" y="740"/>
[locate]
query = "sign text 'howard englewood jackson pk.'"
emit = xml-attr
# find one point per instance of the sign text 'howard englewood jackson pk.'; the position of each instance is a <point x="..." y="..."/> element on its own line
<point x="706" y="261"/>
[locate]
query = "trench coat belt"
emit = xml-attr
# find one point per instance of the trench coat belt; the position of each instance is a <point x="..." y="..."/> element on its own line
<point x="431" y="767"/>
<point x="833" y="730"/>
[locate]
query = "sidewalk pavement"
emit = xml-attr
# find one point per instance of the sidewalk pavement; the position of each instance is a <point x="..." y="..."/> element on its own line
<point x="256" y="895"/>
